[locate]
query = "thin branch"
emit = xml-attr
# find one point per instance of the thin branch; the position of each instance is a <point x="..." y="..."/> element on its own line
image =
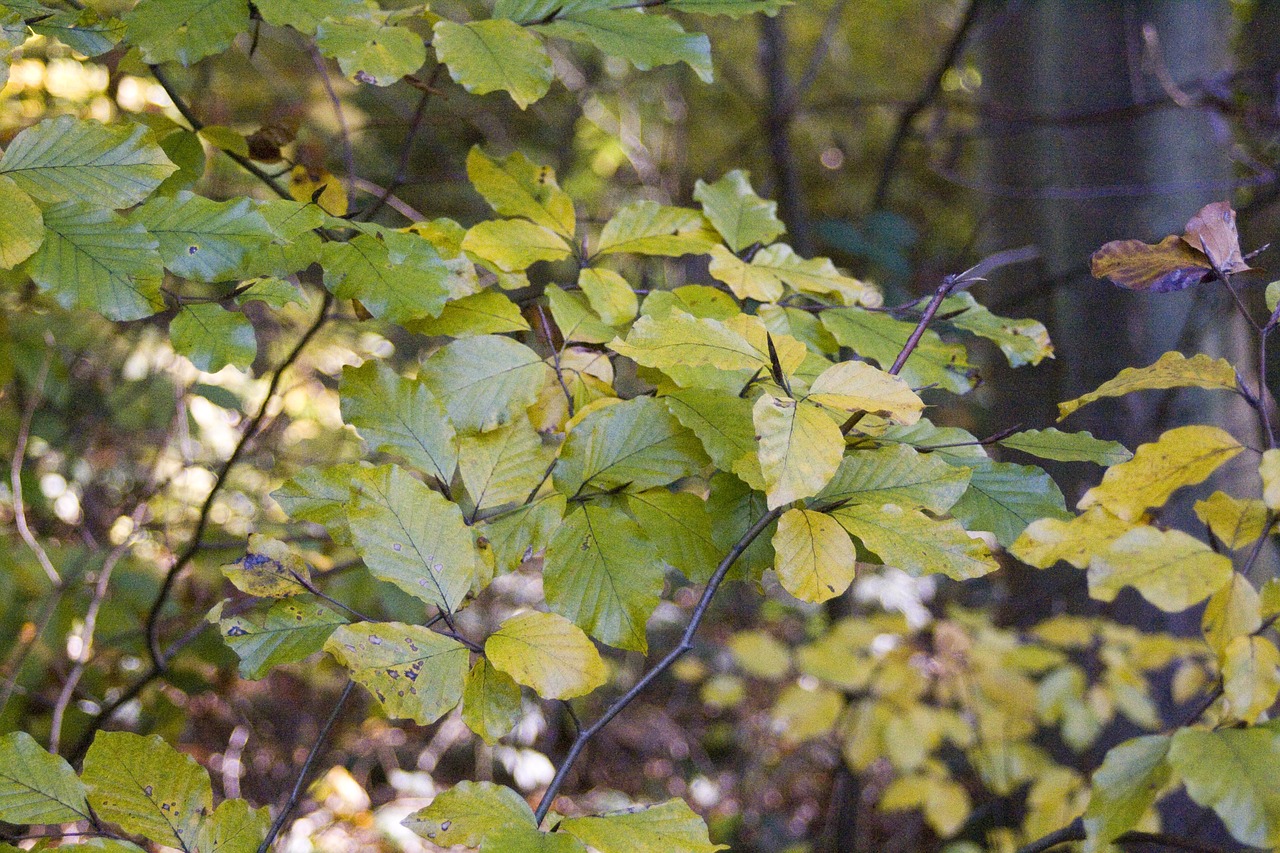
<point x="202" y="522"/>
<point x="296" y="793"/>
<point x="1073" y="831"/>
<point x="15" y="469"/>
<point x="344" y="129"/>
<point x="185" y="109"/>
<point x="90" y="628"/>
<point x="555" y="357"/>
<point x="685" y="644"/>
<point x="160" y="658"/>
<point x="406" y="148"/>
<point x="18" y="656"/>
<point x="819" y="55"/>
<point x="930" y="91"/>
<point x="393" y="201"/>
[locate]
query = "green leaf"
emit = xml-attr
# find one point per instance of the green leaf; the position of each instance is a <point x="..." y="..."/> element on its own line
<point x="235" y="828"/>
<point x="736" y="508"/>
<point x="1124" y="788"/>
<point x="670" y="827"/>
<point x="912" y="541"/>
<point x="468" y="813"/>
<point x="1171" y="370"/>
<point x="35" y="786"/>
<point x="306" y="15"/>
<point x="643" y="40"/>
<point x="320" y="495"/>
<point x="411" y="536"/>
<point x="521" y="533"/>
<point x="21" y="225"/>
<point x="815" y="557"/>
<point x="575" y="319"/>
<point x="514" y="186"/>
<point x="730" y="8"/>
<point x="722" y="422"/>
<point x="1067" y="446"/>
<point x="514" y="244"/>
<point x="398" y="277"/>
<point x="490" y="701"/>
<point x="761" y="655"/>
<point x="269" y="569"/>
<point x="1181" y="457"/>
<point x="1171" y="569"/>
<point x="548" y="653"/>
<point x="213" y="337"/>
<point x="401" y="416"/>
<point x="799" y="447"/>
<point x="1232" y="771"/>
<point x="185" y="30"/>
<point x="1022" y="341"/>
<point x="898" y="475"/>
<point x="503" y="465"/>
<point x="522" y="839"/>
<point x="200" y="239"/>
<point x="1004" y="498"/>
<point x="414" y="672"/>
<point x="272" y="292"/>
<point x="94" y="259"/>
<point x="286" y="632"/>
<point x="601" y="572"/>
<point x="635" y="443"/>
<point x="610" y="295"/>
<point x="699" y="300"/>
<point x="371" y="50"/>
<point x="649" y="228"/>
<point x="495" y="55"/>
<point x="484" y="381"/>
<point x="679" y="526"/>
<point x="741" y="216"/>
<point x="148" y="788"/>
<point x="488" y="312"/>
<point x="880" y="337"/>
<point x="83" y="31"/>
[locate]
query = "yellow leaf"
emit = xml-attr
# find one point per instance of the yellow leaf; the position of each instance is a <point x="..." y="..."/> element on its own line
<point x="1233" y="611"/>
<point x="946" y="807"/>
<point x="1180" y="457"/>
<point x="547" y="652"/>
<point x="1049" y="540"/>
<point x="305" y="184"/>
<point x="1237" y="523"/>
<point x="799" y="447"/>
<point x="515" y="186"/>
<point x="514" y="244"/>
<point x="814" y="555"/>
<point x="855" y="386"/>
<point x="760" y="654"/>
<point x="746" y="281"/>
<point x="1171" y="370"/>
<point x="1269" y="469"/>
<point x="610" y="295"/>
<point x="1250" y="677"/>
<point x="905" y="792"/>
<point x="1171" y="569"/>
<point x="801" y="714"/>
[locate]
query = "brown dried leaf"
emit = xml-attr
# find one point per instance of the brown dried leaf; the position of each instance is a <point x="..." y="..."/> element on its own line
<point x="1213" y="231"/>
<point x="1172" y="264"/>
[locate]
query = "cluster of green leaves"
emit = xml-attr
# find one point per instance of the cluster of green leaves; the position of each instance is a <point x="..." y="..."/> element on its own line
<point x="140" y="784"/>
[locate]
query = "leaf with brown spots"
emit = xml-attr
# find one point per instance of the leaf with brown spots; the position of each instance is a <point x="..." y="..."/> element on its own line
<point x="414" y="672"/>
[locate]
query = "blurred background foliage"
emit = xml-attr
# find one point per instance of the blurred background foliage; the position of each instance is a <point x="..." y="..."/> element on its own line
<point x="912" y="714"/>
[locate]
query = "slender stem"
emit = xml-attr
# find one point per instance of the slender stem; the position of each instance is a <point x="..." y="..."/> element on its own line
<point x="18" y="656"/>
<point x="202" y="521"/>
<point x="685" y="644"/>
<point x="932" y="86"/>
<point x="344" y="129"/>
<point x="296" y="793"/>
<point x="90" y="628"/>
<point x="15" y="470"/>
<point x="1073" y="831"/>
<point x="406" y="148"/>
<point x="185" y="109"/>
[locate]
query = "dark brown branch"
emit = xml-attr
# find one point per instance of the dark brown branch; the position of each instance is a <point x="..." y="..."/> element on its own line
<point x="296" y="793"/>
<point x="777" y="130"/>
<point x="406" y="148"/>
<point x="921" y="103"/>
